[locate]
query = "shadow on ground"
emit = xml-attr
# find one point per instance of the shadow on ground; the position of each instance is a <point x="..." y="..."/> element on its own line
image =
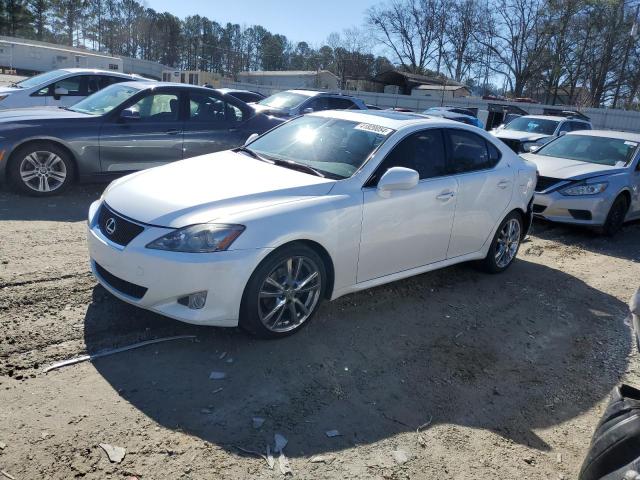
<point x="625" y="244"/>
<point x="510" y="353"/>
<point x="71" y="206"/>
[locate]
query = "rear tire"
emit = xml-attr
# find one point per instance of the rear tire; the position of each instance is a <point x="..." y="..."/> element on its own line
<point x="505" y="244"/>
<point x="41" y="169"/>
<point x="284" y="292"/>
<point x="615" y="217"/>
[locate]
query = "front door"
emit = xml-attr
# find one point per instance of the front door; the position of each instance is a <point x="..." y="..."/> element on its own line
<point x="213" y="124"/>
<point x="150" y="136"/>
<point x="66" y="92"/>
<point x="408" y="228"/>
<point x="485" y="185"/>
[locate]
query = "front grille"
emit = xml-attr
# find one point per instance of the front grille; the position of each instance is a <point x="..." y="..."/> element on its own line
<point x="544" y="183"/>
<point x="128" y="288"/>
<point x="514" y="145"/>
<point x="117" y="228"/>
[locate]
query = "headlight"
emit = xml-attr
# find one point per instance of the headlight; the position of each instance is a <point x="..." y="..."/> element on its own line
<point x="585" y="189"/>
<point x="2" y="97"/>
<point x="200" y="238"/>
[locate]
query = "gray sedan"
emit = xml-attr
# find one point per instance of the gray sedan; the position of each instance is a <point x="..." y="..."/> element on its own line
<point x="589" y="177"/>
<point x="125" y="127"/>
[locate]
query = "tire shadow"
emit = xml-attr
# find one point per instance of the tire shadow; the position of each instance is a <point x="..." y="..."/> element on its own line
<point x="511" y="353"/>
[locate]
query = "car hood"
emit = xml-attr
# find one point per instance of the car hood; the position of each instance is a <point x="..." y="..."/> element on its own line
<point x="4" y="90"/>
<point x="564" y="168"/>
<point x="517" y="135"/>
<point x="270" y="110"/>
<point x="209" y="187"/>
<point x="38" y="113"/>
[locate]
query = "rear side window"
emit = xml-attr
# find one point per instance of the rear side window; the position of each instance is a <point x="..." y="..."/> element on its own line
<point x="469" y="152"/>
<point x="209" y="108"/>
<point x="580" y="126"/>
<point x="421" y="151"/>
<point x="340" y="104"/>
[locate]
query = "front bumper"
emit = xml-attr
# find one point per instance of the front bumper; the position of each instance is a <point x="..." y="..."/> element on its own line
<point x="163" y="277"/>
<point x="580" y="209"/>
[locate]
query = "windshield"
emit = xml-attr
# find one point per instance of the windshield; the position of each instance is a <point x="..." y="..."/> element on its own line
<point x="585" y="148"/>
<point x="337" y="148"/>
<point x="284" y="100"/>
<point x="533" y="125"/>
<point x="105" y="100"/>
<point x="42" y="78"/>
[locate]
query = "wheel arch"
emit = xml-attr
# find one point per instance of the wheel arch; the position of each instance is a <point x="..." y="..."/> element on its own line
<point x="53" y="141"/>
<point x="324" y="255"/>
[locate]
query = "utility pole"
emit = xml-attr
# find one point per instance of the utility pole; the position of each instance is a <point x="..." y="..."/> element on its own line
<point x="632" y="35"/>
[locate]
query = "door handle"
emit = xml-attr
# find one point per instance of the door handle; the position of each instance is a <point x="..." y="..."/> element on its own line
<point x="172" y="131"/>
<point x="504" y="183"/>
<point x="444" y="196"/>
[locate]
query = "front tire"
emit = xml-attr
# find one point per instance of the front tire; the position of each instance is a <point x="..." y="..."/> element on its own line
<point x="505" y="244"/>
<point x="41" y="169"/>
<point x="284" y="292"/>
<point x="615" y="217"/>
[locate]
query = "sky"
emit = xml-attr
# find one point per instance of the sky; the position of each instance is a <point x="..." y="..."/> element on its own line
<point x="311" y="21"/>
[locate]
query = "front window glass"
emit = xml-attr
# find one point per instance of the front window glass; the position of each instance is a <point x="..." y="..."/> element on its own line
<point x="156" y="107"/>
<point x="334" y="147"/>
<point x="42" y="78"/>
<point x="105" y="100"/>
<point x="601" y="150"/>
<point x="284" y="100"/>
<point x="533" y="125"/>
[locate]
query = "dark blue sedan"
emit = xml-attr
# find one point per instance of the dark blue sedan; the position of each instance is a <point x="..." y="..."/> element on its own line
<point x="122" y="128"/>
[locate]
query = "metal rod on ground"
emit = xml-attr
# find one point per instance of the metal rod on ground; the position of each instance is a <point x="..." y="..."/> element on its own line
<point x="105" y="353"/>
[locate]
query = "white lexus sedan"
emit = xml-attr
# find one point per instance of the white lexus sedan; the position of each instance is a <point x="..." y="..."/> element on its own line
<point x="319" y="207"/>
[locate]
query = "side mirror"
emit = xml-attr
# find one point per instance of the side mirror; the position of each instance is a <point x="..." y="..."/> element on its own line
<point x="307" y="110"/>
<point x="128" y="113"/>
<point x="397" y="178"/>
<point x="251" y="138"/>
<point x="562" y="133"/>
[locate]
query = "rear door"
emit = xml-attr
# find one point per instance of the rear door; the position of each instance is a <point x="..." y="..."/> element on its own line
<point x="153" y="137"/>
<point x="213" y="123"/>
<point x="485" y="185"/>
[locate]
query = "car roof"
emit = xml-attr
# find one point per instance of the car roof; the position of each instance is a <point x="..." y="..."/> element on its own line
<point x="235" y="90"/>
<point x="554" y="117"/>
<point x="103" y="72"/>
<point x="633" y="137"/>
<point x="385" y="118"/>
<point x="154" y="84"/>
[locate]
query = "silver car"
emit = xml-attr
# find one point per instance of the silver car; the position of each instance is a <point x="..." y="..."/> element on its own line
<point x="589" y="177"/>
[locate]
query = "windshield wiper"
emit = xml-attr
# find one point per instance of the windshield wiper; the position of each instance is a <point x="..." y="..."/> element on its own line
<point x="298" y="166"/>
<point x="255" y="155"/>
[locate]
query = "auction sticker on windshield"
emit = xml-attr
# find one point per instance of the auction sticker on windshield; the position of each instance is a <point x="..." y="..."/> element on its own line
<point x="368" y="127"/>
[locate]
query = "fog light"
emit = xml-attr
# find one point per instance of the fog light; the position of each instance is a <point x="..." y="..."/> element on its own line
<point x="194" y="301"/>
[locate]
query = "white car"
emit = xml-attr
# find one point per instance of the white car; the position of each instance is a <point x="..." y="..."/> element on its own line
<point x="321" y="206"/>
<point x="526" y="133"/>
<point x="59" y="88"/>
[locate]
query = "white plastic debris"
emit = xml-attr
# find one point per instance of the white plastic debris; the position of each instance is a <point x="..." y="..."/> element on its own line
<point x="280" y="442"/>
<point x="401" y="456"/>
<point x="332" y="433"/>
<point x="217" y="375"/>
<point x="283" y="462"/>
<point x="3" y="445"/>
<point x="115" y="454"/>
<point x="270" y="460"/>
<point x="320" y="459"/>
<point x="257" y="422"/>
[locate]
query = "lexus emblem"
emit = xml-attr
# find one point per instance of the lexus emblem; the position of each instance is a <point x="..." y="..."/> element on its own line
<point x="110" y="225"/>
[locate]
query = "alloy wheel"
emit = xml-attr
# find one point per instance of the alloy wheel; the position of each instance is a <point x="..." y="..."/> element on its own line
<point x="289" y="294"/>
<point x="508" y="242"/>
<point x="43" y="171"/>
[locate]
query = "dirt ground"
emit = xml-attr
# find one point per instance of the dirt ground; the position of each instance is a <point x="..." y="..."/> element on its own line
<point x="507" y="374"/>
